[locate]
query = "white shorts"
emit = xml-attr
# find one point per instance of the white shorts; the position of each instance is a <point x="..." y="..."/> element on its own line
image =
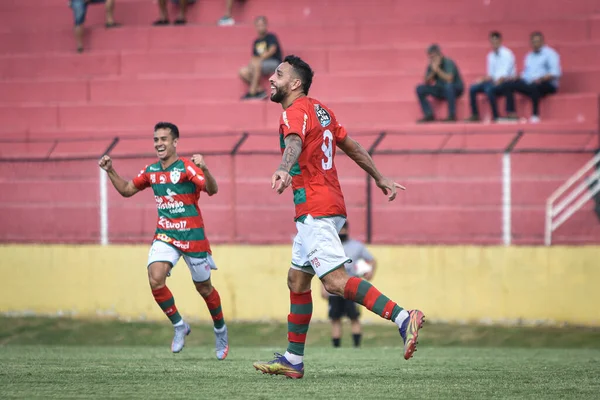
<point x="199" y="267"/>
<point x="317" y="248"/>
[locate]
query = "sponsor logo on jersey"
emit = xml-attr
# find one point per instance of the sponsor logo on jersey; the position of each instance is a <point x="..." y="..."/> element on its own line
<point x="162" y="179"/>
<point x="181" y="245"/>
<point x="285" y="120"/>
<point x="322" y="115"/>
<point x="153" y="168"/>
<point x="173" y="206"/>
<point x="163" y="238"/>
<point x="175" y="175"/>
<point x="304" y="125"/>
<point x="166" y="224"/>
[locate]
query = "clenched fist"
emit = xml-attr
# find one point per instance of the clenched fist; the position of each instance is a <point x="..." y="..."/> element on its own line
<point x="105" y="163"/>
<point x="198" y="160"/>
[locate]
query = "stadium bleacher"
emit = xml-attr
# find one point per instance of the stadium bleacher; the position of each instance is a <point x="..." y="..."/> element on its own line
<point x="368" y="58"/>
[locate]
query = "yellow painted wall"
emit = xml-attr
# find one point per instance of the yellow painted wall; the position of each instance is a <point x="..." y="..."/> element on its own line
<point x="455" y="284"/>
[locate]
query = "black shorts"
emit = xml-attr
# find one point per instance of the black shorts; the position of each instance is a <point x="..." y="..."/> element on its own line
<point x="338" y="307"/>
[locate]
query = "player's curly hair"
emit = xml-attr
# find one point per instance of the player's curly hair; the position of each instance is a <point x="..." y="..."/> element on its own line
<point x="168" y="125"/>
<point x="303" y="70"/>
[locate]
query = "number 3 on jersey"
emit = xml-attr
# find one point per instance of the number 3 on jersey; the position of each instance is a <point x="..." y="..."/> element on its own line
<point x="327" y="148"/>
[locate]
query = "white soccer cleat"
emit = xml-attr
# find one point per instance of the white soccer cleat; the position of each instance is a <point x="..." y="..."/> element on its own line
<point x="179" y="338"/>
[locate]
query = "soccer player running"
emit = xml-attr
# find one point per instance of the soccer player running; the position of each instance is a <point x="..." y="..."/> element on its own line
<point x="309" y="134"/>
<point x="177" y="183"/>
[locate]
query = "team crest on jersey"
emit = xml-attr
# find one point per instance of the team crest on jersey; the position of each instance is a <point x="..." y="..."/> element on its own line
<point x="322" y="115"/>
<point x="175" y="175"/>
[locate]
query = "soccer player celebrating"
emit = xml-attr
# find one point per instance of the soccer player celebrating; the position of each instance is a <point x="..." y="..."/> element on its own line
<point x="309" y="134"/>
<point x="177" y="183"/>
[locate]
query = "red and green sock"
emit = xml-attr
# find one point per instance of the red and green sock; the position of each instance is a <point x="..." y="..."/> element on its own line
<point x="301" y="308"/>
<point x="213" y="302"/>
<point x="166" y="302"/>
<point x="362" y="292"/>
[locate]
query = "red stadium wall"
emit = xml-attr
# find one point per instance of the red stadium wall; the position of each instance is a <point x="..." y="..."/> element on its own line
<point x="368" y="57"/>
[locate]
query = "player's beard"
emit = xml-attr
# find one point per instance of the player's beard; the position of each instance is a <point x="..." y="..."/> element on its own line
<point x="278" y="96"/>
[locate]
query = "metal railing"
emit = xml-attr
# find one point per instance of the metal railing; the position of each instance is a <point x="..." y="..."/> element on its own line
<point x="441" y="144"/>
<point x="576" y="196"/>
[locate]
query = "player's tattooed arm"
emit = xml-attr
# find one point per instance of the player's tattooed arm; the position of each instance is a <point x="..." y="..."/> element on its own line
<point x="362" y="157"/>
<point x="293" y="148"/>
<point x="281" y="179"/>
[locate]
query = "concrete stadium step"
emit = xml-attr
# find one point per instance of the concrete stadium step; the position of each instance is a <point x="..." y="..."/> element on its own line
<point x="579" y="109"/>
<point x="344" y="32"/>
<point x="408" y="59"/>
<point x="306" y="11"/>
<point x="329" y="87"/>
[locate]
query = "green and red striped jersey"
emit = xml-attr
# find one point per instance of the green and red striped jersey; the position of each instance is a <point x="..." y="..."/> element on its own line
<point x="315" y="182"/>
<point x="177" y="191"/>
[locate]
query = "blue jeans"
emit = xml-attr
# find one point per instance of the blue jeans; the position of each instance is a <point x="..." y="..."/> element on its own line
<point x="80" y="9"/>
<point x="447" y="91"/>
<point x="490" y="90"/>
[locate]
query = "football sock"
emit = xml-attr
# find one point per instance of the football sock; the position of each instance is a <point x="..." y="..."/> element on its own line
<point x="362" y="292"/>
<point x="166" y="302"/>
<point x="356" y="338"/>
<point x="213" y="302"/>
<point x="401" y="317"/>
<point x="336" y="342"/>
<point x="301" y="308"/>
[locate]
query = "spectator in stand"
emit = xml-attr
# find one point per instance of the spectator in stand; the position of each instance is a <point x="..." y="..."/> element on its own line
<point x="266" y="57"/>
<point x="500" y="68"/>
<point x="163" y="18"/>
<point x="540" y="77"/>
<point x="79" y="8"/>
<point x="442" y="81"/>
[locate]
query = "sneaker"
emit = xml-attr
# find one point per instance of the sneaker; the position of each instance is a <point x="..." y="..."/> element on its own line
<point x="179" y="338"/>
<point x="473" y="118"/>
<point x="425" y="119"/>
<point x="280" y="366"/>
<point x="226" y="21"/>
<point x="222" y="343"/>
<point x="534" y="119"/>
<point x="410" y="332"/>
<point x="261" y="95"/>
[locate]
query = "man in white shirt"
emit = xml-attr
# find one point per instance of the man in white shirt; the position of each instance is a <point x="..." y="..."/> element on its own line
<point x="539" y="78"/>
<point x="500" y="68"/>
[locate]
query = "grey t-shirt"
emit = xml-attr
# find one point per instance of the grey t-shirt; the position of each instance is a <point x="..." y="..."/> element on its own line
<point x="355" y="250"/>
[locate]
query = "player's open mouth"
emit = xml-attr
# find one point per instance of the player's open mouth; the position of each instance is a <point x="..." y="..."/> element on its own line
<point x="161" y="150"/>
<point x="273" y="89"/>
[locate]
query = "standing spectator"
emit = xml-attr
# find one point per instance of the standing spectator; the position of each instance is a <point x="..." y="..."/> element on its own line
<point x="266" y="57"/>
<point x="540" y="77"/>
<point x="340" y="307"/>
<point x="500" y="68"/>
<point x="79" y="8"/>
<point x="443" y="81"/>
<point x="163" y="18"/>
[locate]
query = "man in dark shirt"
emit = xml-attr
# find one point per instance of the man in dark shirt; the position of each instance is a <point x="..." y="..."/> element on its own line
<point x="442" y="81"/>
<point x="266" y="57"/>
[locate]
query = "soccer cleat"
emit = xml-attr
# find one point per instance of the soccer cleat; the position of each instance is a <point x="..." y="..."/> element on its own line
<point x="410" y="332"/>
<point x="280" y="366"/>
<point x="222" y="343"/>
<point x="179" y="338"/>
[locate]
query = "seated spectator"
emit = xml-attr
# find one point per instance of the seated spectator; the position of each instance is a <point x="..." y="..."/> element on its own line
<point x="442" y="81"/>
<point x="540" y="77"/>
<point x="500" y="68"/>
<point x="163" y="18"/>
<point x="266" y="57"/>
<point x="79" y="8"/>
